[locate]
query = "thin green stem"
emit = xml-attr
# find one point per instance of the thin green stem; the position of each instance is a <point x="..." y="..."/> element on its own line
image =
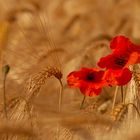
<point x="83" y="102"/>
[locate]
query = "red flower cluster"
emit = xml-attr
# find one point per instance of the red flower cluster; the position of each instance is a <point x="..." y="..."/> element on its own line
<point x="124" y="54"/>
<point x="91" y="80"/>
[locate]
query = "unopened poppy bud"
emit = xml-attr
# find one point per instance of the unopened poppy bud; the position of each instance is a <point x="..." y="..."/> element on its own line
<point x="6" y="69"/>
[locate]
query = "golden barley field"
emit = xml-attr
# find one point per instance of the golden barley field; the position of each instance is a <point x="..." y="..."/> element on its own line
<point x="41" y="42"/>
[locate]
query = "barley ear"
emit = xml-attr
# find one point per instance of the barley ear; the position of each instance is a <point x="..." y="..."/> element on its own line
<point x="119" y="112"/>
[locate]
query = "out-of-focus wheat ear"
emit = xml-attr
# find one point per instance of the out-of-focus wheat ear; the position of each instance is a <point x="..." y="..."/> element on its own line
<point x="20" y="112"/>
<point x="36" y="81"/>
<point x="66" y="134"/>
<point x="136" y="76"/>
<point x="14" y="131"/>
<point x="137" y="110"/>
<point x="119" y="112"/>
<point x="5" y="71"/>
<point x="132" y="94"/>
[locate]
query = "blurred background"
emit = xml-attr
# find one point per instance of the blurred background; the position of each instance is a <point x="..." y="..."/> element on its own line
<point x="68" y="34"/>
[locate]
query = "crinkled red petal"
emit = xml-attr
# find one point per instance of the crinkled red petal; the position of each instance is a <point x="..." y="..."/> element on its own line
<point x="118" y="77"/>
<point x="124" y="77"/>
<point x="90" y="91"/>
<point x="120" y="42"/>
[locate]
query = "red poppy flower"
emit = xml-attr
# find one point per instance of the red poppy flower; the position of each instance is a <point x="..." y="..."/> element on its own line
<point x="119" y="60"/>
<point x="123" y="44"/>
<point x="124" y="54"/>
<point x="89" y="80"/>
<point x="118" y="77"/>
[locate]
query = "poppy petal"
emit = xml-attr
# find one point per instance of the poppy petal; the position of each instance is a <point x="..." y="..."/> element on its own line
<point x="73" y="80"/>
<point x="124" y="77"/>
<point x="118" y="77"/>
<point x="133" y="58"/>
<point x="106" y="61"/>
<point x="113" y="61"/>
<point x="90" y="91"/>
<point x="120" y="42"/>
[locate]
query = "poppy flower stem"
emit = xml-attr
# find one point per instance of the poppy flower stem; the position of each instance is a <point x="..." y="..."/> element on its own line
<point x="60" y="96"/>
<point x="122" y="94"/>
<point x="5" y="71"/>
<point x="114" y="99"/>
<point x="83" y="102"/>
<point x="4" y="97"/>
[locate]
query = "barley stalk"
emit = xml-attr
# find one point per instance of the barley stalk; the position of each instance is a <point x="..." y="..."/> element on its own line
<point x="60" y="95"/>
